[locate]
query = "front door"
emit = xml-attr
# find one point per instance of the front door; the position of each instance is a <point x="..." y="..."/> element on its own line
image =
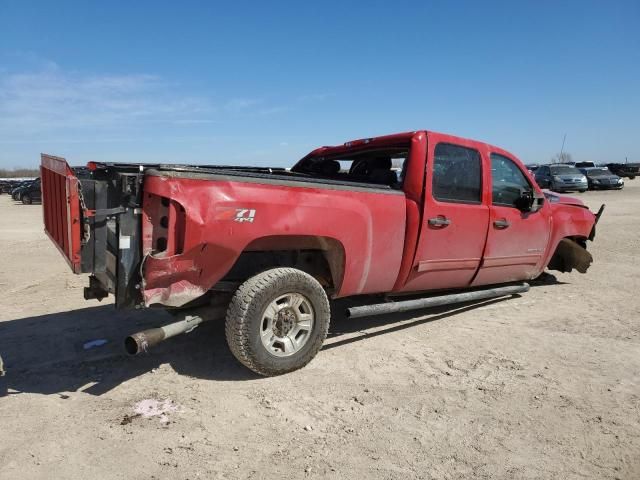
<point x="455" y="219"/>
<point x="517" y="240"/>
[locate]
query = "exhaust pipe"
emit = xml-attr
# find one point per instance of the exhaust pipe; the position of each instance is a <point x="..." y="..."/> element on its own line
<point x="420" y="303"/>
<point x="142" y="341"/>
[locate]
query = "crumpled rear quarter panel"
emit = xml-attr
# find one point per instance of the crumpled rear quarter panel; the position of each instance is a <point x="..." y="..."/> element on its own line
<point x="222" y="216"/>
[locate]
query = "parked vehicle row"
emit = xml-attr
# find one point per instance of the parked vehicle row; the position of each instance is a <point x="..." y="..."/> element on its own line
<point x="25" y="191"/>
<point x="581" y="176"/>
<point x="7" y="186"/>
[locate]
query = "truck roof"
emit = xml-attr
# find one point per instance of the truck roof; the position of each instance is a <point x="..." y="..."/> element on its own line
<point x="395" y="139"/>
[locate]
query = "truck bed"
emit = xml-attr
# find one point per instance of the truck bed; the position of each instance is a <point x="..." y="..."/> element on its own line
<point x="105" y="219"/>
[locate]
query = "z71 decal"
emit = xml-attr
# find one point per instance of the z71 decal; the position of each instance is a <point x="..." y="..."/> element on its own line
<point x="245" y="215"/>
<point x="239" y="215"/>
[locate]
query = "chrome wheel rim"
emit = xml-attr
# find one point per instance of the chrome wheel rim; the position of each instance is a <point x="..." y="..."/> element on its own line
<point x="286" y="324"/>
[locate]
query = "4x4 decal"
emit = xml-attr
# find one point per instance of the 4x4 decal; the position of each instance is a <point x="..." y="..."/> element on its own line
<point x="244" y="215"/>
<point x="239" y="215"/>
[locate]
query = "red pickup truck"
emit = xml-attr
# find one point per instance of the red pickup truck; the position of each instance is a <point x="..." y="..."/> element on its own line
<point x="406" y="213"/>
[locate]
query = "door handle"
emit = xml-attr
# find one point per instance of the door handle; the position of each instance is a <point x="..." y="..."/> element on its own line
<point x="501" y="224"/>
<point x="439" y="221"/>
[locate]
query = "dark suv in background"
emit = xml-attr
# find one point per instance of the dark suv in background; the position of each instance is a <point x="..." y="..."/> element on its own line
<point x="627" y="170"/>
<point x="31" y="193"/>
<point x="27" y="192"/>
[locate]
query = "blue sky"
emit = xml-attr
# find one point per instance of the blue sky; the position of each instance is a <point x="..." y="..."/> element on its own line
<point x="265" y="82"/>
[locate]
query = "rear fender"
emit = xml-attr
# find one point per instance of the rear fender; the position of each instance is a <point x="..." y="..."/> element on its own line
<point x="332" y="251"/>
<point x="361" y="232"/>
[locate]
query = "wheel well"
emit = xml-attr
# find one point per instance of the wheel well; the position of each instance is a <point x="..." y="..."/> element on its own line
<point x="570" y="253"/>
<point x="320" y="257"/>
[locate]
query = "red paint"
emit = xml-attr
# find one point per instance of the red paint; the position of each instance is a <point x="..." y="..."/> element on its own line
<point x="370" y="227"/>
<point x="61" y="208"/>
<point x="387" y="241"/>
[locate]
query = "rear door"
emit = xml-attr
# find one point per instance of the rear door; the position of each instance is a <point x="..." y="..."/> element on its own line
<point x="456" y="216"/>
<point x="517" y="240"/>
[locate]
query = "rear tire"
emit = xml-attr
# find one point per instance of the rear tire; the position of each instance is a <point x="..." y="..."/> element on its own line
<point x="277" y="321"/>
<point x="26" y="199"/>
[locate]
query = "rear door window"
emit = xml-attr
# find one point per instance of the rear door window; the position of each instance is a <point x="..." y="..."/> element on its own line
<point x="457" y="174"/>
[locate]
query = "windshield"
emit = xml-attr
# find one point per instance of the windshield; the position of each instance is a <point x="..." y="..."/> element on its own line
<point x="564" y="170"/>
<point x="599" y="172"/>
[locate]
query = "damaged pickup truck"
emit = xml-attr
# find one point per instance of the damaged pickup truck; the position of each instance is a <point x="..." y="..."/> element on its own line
<point x="394" y="215"/>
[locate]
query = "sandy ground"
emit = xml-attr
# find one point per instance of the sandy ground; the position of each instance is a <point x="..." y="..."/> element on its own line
<point x="546" y="385"/>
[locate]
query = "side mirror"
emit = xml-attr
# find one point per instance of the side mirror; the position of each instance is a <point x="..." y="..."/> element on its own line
<point x="524" y="202"/>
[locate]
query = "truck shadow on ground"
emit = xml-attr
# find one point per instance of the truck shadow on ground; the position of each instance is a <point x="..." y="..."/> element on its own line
<point x="51" y="354"/>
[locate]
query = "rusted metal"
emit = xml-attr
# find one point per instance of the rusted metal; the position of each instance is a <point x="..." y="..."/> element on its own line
<point x="142" y="341"/>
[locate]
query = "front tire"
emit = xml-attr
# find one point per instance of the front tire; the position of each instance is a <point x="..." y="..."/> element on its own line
<point x="26" y="199"/>
<point x="277" y="321"/>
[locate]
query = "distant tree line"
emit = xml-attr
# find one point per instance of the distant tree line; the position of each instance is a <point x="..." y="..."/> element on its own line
<point x="19" y="172"/>
<point x="564" y="157"/>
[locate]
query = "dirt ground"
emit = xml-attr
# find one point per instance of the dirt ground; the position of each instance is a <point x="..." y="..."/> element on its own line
<point x="546" y="385"/>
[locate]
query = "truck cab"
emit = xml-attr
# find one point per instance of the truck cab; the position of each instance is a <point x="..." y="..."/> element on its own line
<point x="474" y="215"/>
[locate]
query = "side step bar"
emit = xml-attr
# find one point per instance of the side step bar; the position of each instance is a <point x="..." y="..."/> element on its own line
<point x="420" y="303"/>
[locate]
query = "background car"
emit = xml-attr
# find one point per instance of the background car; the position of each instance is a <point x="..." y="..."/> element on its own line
<point x="627" y="170"/>
<point x="532" y="167"/>
<point x="16" y="193"/>
<point x="602" y="178"/>
<point x="7" y="185"/>
<point x="581" y="165"/>
<point x="31" y="193"/>
<point x="561" y="178"/>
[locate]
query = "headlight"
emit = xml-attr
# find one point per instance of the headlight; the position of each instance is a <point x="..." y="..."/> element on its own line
<point x="583" y="179"/>
<point x="596" y="181"/>
<point x="557" y="178"/>
<point x="620" y="180"/>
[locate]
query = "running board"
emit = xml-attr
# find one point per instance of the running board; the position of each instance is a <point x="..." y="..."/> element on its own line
<point x="420" y="303"/>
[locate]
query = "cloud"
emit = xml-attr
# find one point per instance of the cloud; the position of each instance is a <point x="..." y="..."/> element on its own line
<point x="52" y="99"/>
<point x="315" y="97"/>
<point x="44" y="101"/>
<point x="241" y="104"/>
<point x="253" y="107"/>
